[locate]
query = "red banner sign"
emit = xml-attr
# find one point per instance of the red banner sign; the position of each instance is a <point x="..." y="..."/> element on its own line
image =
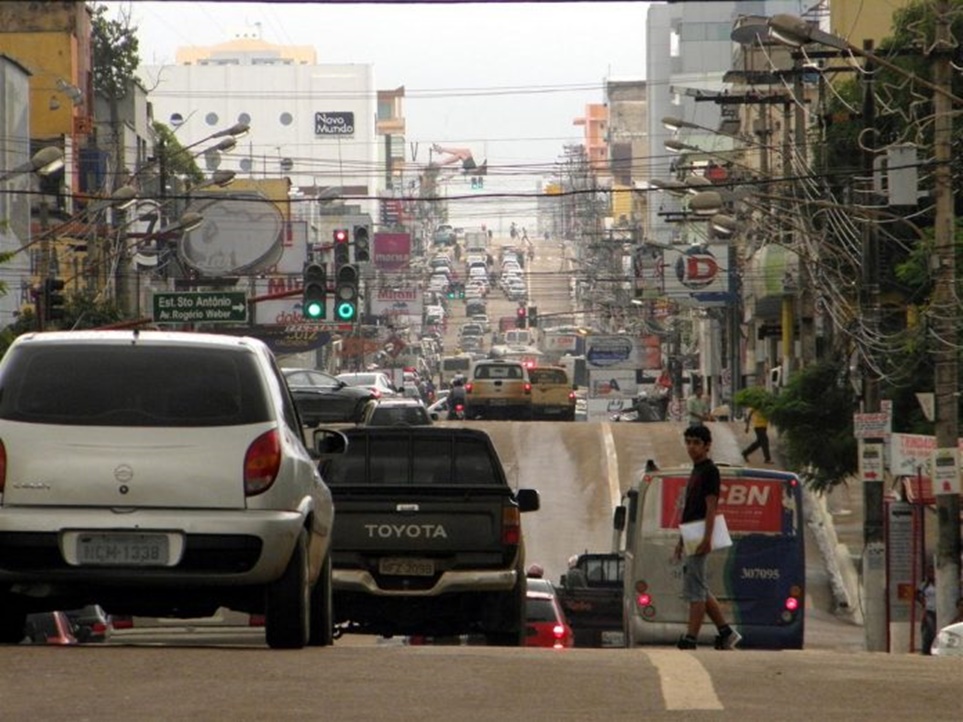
<point x="749" y="505"/>
<point x="392" y="251"/>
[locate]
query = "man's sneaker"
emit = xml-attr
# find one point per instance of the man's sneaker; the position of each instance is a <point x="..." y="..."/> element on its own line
<point x="686" y="642"/>
<point x="729" y="640"/>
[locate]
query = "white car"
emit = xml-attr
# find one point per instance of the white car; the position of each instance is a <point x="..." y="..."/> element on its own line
<point x="159" y="474"/>
<point x="376" y="381"/>
<point x="949" y="641"/>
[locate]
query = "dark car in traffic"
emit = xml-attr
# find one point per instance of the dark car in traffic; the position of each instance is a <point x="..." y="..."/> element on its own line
<point x="320" y="397"/>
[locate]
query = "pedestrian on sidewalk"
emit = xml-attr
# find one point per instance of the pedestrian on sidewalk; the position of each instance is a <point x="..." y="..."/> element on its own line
<point x="926" y="595"/>
<point x="760" y="424"/>
<point x="701" y="499"/>
<point x="697" y="408"/>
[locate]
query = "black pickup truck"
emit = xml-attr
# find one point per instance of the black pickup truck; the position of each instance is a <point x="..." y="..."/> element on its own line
<point x="591" y="596"/>
<point x="428" y="539"/>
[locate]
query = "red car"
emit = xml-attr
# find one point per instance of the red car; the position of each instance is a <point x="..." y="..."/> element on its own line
<point x="545" y="624"/>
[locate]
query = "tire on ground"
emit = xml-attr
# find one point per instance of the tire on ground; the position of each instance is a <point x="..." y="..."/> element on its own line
<point x="288" y="603"/>
<point x="322" y="609"/>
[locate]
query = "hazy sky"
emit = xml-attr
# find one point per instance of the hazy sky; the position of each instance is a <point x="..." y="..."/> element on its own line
<point x="506" y="80"/>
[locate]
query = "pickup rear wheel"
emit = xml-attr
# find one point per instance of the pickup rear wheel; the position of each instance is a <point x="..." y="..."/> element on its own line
<point x="512" y="631"/>
<point x="322" y="609"/>
<point x="13" y="619"/>
<point x="288" y="605"/>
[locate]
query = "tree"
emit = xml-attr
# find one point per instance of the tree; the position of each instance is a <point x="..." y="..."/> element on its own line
<point x="116" y="53"/>
<point x="814" y="415"/>
<point x="171" y="155"/>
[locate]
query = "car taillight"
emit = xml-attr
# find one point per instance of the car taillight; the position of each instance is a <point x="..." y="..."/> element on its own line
<point x="122" y="622"/>
<point x="571" y="396"/>
<point x="261" y="463"/>
<point x="528" y="388"/>
<point x="98" y="628"/>
<point x="511" y="525"/>
<point x="558" y="631"/>
<point x="376" y="393"/>
<point x="3" y="466"/>
<point x="255" y="620"/>
<point x="459" y="407"/>
<point x="468" y="388"/>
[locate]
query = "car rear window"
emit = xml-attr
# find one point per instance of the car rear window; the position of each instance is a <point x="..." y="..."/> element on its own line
<point x="413" y="461"/>
<point x="132" y="385"/>
<point x="397" y="416"/>
<point x="539" y="609"/>
<point x="547" y="376"/>
<point x="499" y="372"/>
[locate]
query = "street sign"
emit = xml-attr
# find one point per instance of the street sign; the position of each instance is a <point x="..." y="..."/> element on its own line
<point x="204" y="306"/>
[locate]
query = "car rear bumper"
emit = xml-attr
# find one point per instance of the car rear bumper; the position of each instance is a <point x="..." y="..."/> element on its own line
<point x="450" y="582"/>
<point x="212" y="547"/>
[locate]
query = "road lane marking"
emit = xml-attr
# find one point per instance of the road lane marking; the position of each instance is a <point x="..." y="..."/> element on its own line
<point x="612" y="464"/>
<point x="685" y="682"/>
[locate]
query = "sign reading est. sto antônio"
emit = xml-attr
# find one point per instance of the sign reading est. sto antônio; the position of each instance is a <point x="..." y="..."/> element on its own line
<point x="333" y="123"/>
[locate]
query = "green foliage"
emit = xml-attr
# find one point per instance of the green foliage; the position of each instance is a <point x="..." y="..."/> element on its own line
<point x="172" y="155"/>
<point x="80" y="312"/>
<point x="116" y="53"/>
<point x="814" y="415"/>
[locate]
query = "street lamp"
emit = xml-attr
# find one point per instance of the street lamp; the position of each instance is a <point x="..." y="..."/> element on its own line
<point x="44" y="162"/>
<point x="795" y="32"/>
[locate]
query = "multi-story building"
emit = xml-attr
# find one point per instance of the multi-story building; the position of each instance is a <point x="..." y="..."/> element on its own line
<point x="313" y="123"/>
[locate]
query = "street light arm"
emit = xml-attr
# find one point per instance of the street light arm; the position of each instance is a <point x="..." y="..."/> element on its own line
<point x="794" y="31"/>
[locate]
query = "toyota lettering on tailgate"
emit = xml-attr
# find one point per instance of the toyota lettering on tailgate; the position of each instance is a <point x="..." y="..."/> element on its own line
<point x="406" y="531"/>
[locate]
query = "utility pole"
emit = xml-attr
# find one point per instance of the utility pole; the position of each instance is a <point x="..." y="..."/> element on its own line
<point x="944" y="321"/>
<point x="874" y="538"/>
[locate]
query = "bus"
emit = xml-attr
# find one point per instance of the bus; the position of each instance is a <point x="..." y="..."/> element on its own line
<point x="760" y="581"/>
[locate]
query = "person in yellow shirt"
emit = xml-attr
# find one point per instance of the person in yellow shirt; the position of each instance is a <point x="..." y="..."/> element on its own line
<point x="760" y="424"/>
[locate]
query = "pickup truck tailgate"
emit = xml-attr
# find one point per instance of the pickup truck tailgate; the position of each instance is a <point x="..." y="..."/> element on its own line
<point x="411" y="523"/>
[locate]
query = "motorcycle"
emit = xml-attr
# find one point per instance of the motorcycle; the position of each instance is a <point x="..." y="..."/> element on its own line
<point x="457" y="413"/>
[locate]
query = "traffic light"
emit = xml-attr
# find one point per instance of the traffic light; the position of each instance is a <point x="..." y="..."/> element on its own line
<point x="314" y="292"/>
<point x="346" y="294"/>
<point x="362" y="244"/>
<point x="342" y="255"/>
<point x="520" y="317"/>
<point x="532" y="316"/>
<point x="53" y="299"/>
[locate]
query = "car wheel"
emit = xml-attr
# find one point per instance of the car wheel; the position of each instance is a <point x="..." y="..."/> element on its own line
<point x="13" y="620"/>
<point x="289" y="602"/>
<point x="322" y="608"/>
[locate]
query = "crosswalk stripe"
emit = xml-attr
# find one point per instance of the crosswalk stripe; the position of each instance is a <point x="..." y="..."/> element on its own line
<point x="685" y="682"/>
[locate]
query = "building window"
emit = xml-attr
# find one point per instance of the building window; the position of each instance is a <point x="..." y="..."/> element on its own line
<point x="286" y="118"/>
<point x="211" y="119"/>
<point x="176" y="119"/>
<point x="244" y="118"/>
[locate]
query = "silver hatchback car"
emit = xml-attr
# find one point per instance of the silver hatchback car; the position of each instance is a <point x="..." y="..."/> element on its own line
<point x="159" y="474"/>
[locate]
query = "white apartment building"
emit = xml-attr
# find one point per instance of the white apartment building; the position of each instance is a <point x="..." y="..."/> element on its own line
<point x="313" y="123"/>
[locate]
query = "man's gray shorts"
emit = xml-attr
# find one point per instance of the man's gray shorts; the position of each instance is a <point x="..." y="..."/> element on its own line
<point x="694" y="587"/>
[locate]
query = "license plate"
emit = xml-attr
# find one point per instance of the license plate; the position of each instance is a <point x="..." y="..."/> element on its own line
<point x="123" y="550"/>
<point x="407" y="567"/>
<point x="611" y="638"/>
<point x="499" y="402"/>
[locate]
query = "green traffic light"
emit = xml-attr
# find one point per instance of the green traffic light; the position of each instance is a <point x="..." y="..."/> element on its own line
<point x="314" y="309"/>
<point x="345" y="311"/>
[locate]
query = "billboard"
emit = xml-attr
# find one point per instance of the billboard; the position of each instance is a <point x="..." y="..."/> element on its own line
<point x="698" y="273"/>
<point x="391" y="251"/>
<point x="406" y="301"/>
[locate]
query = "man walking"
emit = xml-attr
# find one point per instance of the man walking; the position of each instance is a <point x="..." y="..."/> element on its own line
<point x="701" y="501"/>
<point x="760" y="424"/>
<point x="697" y="408"/>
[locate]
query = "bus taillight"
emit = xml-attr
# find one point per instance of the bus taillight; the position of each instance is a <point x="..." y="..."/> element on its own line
<point x="643" y="600"/>
<point x="792" y="604"/>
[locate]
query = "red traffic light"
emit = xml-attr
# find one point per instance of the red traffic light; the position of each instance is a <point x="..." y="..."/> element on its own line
<point x="341" y="235"/>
